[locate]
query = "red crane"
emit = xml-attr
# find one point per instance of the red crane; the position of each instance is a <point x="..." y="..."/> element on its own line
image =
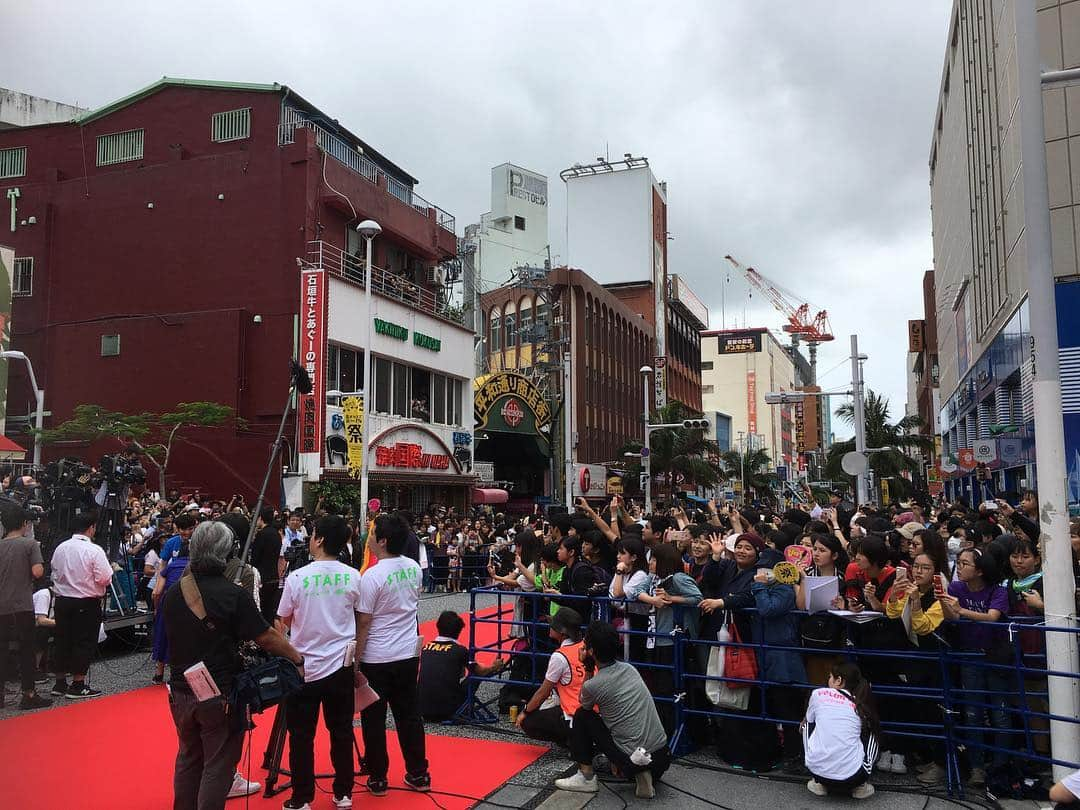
<point x="799" y="322"/>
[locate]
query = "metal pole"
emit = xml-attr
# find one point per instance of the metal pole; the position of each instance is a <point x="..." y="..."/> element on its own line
<point x="646" y="463"/>
<point x="861" y="495"/>
<point x="568" y="439"/>
<point x="365" y="433"/>
<point x="39" y="399"/>
<point x="1059" y="587"/>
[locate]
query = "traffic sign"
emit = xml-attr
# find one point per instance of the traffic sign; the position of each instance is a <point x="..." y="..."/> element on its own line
<point x="645" y="452"/>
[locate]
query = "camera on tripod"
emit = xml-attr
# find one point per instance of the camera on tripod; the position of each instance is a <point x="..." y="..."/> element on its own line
<point x="297" y="555"/>
<point x="120" y="469"/>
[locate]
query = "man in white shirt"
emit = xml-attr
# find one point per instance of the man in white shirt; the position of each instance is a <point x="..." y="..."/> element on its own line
<point x="388" y="653"/>
<point x="81" y="573"/>
<point x="320" y="603"/>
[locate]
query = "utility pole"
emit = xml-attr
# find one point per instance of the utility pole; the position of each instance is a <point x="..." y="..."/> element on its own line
<point x="1059" y="587"/>
<point x="861" y="495"/>
<point x="646" y="460"/>
<point x="568" y="439"/>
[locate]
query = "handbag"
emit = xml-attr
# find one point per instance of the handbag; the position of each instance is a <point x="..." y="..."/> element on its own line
<point x="720" y="693"/>
<point x="258" y="686"/>
<point x="821" y="631"/>
<point x="739" y="662"/>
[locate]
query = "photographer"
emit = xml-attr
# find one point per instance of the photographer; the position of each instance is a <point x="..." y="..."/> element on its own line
<point x="387" y="652"/>
<point x="209" y="741"/>
<point x="319" y="603"/>
<point x="81" y="572"/>
<point x="20" y="565"/>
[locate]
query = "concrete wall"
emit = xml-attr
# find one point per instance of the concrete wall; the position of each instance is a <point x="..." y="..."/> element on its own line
<point x="24" y="110"/>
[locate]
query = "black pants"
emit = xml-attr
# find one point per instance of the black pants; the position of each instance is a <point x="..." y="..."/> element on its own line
<point x="209" y="749"/>
<point x="18" y="626"/>
<point x="396" y="685"/>
<point x="788" y="703"/>
<point x="334" y="694"/>
<point x="77" y="624"/>
<point x="548" y="725"/>
<point x="590" y="736"/>
<point x="269" y="597"/>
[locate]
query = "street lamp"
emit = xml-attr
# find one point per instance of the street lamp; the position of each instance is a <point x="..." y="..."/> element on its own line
<point x="646" y="461"/>
<point x="39" y="396"/>
<point x="368" y="229"/>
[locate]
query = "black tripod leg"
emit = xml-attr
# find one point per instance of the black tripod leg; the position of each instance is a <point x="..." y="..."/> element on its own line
<point x="362" y="769"/>
<point x="275" y="749"/>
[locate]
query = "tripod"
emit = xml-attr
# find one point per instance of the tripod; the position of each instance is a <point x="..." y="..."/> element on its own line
<point x="275" y="748"/>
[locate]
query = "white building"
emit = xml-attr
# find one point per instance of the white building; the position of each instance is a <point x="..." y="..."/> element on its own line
<point x="515" y="231"/>
<point x="24" y="110"/>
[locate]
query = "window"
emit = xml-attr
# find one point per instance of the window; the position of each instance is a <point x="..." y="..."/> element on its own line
<point x="526" y="326"/>
<point x="421" y="394"/>
<point x="706" y="389"/>
<point x="383" y="374"/>
<point x="519" y="223"/>
<point x="706" y="365"/>
<point x="110" y="345"/>
<point x="23" y="282"/>
<point x="120" y="147"/>
<point x="400" y="404"/>
<point x="496" y="334"/>
<point x="13" y="162"/>
<point x="348" y="379"/>
<point x="234" y="125"/>
<point x="453" y="407"/>
<point x="511" y="330"/>
<point x="438" y="397"/>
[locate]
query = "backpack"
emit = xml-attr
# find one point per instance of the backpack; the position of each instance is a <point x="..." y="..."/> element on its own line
<point x="822" y="631"/>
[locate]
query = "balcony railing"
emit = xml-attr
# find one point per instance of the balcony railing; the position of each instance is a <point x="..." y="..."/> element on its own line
<point x="348" y="156"/>
<point x="334" y="260"/>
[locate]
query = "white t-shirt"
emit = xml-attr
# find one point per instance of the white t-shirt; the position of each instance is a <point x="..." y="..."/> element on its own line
<point x="558" y="670"/>
<point x="390" y="592"/>
<point x="322" y="598"/>
<point x="633" y="585"/>
<point x="154" y="561"/>
<point x="1072" y="783"/>
<point x="834" y="749"/>
<point x="43" y="603"/>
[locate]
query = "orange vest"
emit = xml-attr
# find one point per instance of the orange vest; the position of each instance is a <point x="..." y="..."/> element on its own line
<point x="570" y="694"/>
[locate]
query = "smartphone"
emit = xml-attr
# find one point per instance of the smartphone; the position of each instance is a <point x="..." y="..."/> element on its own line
<point x="939" y="585"/>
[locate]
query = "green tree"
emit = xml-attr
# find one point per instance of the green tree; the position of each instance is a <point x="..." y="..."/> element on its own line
<point x="680" y="455"/>
<point x="152" y="434"/>
<point x="751" y="467"/>
<point x="881" y="432"/>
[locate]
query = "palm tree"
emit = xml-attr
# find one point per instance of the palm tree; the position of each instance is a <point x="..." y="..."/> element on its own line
<point x="880" y="432"/>
<point x="751" y="467"/>
<point x="679" y="454"/>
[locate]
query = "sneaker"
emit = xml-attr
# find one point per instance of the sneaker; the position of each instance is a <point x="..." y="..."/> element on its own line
<point x="898" y="764"/>
<point x="934" y="775"/>
<point x="578" y="783"/>
<point x="34" y="701"/>
<point x="293" y="804"/>
<point x="80" y="691"/>
<point x="884" y="762"/>
<point x="41" y="677"/>
<point x="377" y="787"/>
<point x="643" y="785"/>
<point x="815" y="787"/>
<point x="793" y="766"/>
<point x="978" y="777"/>
<point x="421" y="782"/>
<point x="863" y="791"/>
<point x="60" y="688"/>
<point x="343" y="801"/>
<point x="242" y="787"/>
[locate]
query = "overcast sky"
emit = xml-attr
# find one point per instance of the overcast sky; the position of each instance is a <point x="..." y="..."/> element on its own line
<point x="794" y="135"/>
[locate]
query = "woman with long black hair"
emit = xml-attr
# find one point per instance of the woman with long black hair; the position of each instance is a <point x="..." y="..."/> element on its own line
<point x="839" y="734"/>
<point x="631" y="582"/>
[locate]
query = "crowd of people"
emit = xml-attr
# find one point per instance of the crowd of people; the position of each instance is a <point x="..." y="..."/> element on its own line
<point x="603" y="593"/>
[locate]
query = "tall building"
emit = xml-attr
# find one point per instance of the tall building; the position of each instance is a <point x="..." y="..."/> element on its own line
<point x="980" y="253"/>
<point x="924" y="367"/>
<point x="184" y="242"/>
<point x="515" y="231"/>
<point x="738" y="367"/>
<point x="617" y="231"/>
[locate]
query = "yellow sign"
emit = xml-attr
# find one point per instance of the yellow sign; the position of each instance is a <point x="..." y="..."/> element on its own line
<point x="884" y="491"/>
<point x="495" y="387"/>
<point x="614" y="485"/>
<point x="352" y="409"/>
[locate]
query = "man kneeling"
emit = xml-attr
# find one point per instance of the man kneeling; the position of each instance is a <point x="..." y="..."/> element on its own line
<point x="565" y="676"/>
<point x="627" y="729"/>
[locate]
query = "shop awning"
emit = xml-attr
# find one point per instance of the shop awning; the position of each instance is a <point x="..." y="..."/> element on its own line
<point x="492" y="496"/>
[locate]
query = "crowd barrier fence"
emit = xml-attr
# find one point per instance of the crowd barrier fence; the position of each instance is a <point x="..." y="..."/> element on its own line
<point x="940" y="713"/>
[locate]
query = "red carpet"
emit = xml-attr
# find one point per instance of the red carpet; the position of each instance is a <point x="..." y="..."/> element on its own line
<point x="117" y="753"/>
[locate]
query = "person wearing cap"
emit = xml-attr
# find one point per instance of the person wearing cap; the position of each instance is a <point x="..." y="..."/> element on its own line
<point x="565" y="676"/>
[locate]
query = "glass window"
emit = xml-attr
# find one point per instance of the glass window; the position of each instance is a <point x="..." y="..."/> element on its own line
<point x="347" y="370"/>
<point x="511" y="329"/>
<point x="400" y="405"/>
<point x="331" y="367"/>
<point x="496" y="335"/>
<point x="453" y="406"/>
<point x="439" y="399"/>
<point x="383" y="369"/>
<point x="706" y="365"/>
<point x="421" y="394"/>
<point x="526" y="325"/>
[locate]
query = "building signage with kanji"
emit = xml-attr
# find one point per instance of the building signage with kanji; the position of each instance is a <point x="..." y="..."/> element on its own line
<point x="310" y="409"/>
<point x="508" y="387"/>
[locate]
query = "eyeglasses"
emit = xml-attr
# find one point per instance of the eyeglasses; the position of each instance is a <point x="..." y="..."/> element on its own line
<point x="922" y="568"/>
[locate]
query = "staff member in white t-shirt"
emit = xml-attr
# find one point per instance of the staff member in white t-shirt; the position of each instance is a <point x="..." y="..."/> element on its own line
<point x="388" y="653"/>
<point x="838" y="734"/>
<point x="320" y="603"/>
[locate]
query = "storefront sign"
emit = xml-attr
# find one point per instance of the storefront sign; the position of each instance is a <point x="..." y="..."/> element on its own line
<point x="751" y="402"/>
<point x="965" y="459"/>
<point x="411" y="456"/>
<point x="391" y="329"/>
<point x="739" y="342"/>
<point x="411" y="448"/>
<point x="614" y="485"/>
<point x="1010" y="451"/>
<point x="352" y="409"/>
<point x="507" y="387"/>
<point x="590" y="481"/>
<point x="310" y="410"/>
<point x="528" y="186"/>
<point x="426" y="341"/>
<point x="916" y="336"/>
<point x="984" y="451"/>
<point x="660" y="382"/>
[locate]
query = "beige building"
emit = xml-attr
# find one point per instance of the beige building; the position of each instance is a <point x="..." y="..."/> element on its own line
<point x="980" y="255"/>
<point x="738" y="367"/>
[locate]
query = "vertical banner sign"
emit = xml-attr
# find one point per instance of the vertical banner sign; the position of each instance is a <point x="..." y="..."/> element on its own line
<point x="310" y="413"/>
<point x="352" y="409"/>
<point x="751" y="402"/>
<point x="659" y="381"/>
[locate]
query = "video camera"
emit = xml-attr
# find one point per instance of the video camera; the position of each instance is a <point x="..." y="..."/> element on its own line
<point x="119" y="469"/>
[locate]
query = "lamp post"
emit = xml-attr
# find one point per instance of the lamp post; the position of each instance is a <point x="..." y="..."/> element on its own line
<point x="39" y="396"/>
<point x="646" y="460"/>
<point x="368" y="229"/>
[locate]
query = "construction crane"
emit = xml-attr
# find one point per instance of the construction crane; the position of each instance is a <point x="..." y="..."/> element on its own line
<point x="800" y="324"/>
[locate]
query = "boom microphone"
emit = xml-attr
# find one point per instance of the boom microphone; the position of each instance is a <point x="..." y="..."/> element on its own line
<point x="300" y="377"/>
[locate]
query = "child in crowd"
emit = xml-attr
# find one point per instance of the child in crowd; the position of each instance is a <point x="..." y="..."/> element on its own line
<point x="839" y="734"/>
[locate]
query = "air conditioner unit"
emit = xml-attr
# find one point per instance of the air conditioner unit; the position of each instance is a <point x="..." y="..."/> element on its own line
<point x="437" y="275"/>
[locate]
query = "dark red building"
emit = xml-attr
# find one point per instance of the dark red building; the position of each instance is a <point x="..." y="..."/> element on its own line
<point x="164" y="232"/>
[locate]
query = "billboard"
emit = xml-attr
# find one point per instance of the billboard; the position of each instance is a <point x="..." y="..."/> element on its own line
<point x="739" y="342"/>
<point x="310" y="410"/>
